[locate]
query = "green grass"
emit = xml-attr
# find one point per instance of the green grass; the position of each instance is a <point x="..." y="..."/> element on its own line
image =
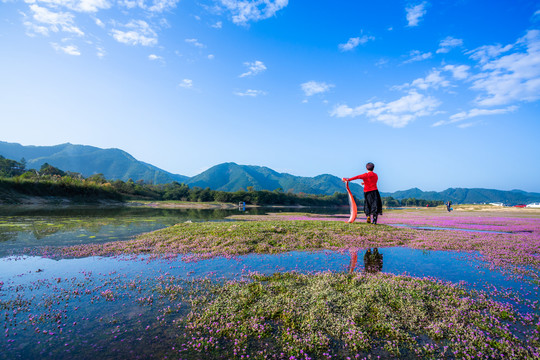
<point x="347" y="315"/>
<point x="236" y="238"/>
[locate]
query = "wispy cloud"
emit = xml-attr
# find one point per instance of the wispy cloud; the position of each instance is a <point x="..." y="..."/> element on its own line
<point x="100" y="52"/>
<point x="513" y="77"/>
<point x="67" y="49"/>
<point x="415" y="13"/>
<point x="483" y="54"/>
<point x="448" y="44"/>
<point x="155" y="6"/>
<point x="464" y="115"/>
<point x="354" y="42"/>
<point x="396" y="114"/>
<point x="217" y="25"/>
<point x="195" y="43"/>
<point x="433" y="80"/>
<point x="244" y="11"/>
<point x="460" y="72"/>
<point x="254" y="68"/>
<point x="99" y="23"/>
<point x="186" y="84"/>
<point x="54" y="21"/>
<point x="417" y="55"/>
<point x="138" y="33"/>
<point x="154" y="57"/>
<point x="33" y="29"/>
<point x="311" y="88"/>
<point x="250" y="93"/>
<point x="47" y="17"/>
<point x="83" y="6"/>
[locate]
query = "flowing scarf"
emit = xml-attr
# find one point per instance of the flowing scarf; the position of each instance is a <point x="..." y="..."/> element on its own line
<point x="352" y="204"/>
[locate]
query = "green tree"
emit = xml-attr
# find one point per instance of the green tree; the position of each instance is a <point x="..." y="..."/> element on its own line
<point x="50" y="170"/>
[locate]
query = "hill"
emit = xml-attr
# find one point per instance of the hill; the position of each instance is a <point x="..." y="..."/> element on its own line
<point x="117" y="164"/>
<point x="233" y="177"/>
<point x="469" y="196"/>
<point x="89" y="160"/>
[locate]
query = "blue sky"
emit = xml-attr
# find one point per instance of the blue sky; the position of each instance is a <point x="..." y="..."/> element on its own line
<point x="437" y="94"/>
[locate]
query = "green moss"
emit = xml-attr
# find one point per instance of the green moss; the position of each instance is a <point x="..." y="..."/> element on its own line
<point x="349" y="314"/>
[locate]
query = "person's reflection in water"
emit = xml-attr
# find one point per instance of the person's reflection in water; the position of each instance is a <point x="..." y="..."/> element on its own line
<point x="373" y="261"/>
<point x="354" y="260"/>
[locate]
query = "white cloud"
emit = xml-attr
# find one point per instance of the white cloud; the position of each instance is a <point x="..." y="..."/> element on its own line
<point x="211" y="56"/>
<point x="474" y="113"/>
<point x="195" y="43"/>
<point x="313" y="87"/>
<point x="513" y="77"/>
<point x="354" y="42"/>
<point x="100" y="52"/>
<point x="100" y="23"/>
<point x="250" y="93"/>
<point x="55" y="21"/>
<point x="91" y="6"/>
<point x="460" y="72"/>
<point x="154" y="57"/>
<point x="155" y="6"/>
<point x="140" y="33"/>
<point x="415" y="13"/>
<point x="485" y="53"/>
<point x="448" y="44"/>
<point x="68" y="49"/>
<point x="433" y="80"/>
<point x="381" y="62"/>
<point x="480" y="112"/>
<point x="162" y="5"/>
<point x="244" y="11"/>
<point x="85" y="6"/>
<point x="33" y="29"/>
<point x="254" y="68"/>
<point x="186" y="84"/>
<point x="416" y="55"/>
<point x="217" y="25"/>
<point x="396" y="114"/>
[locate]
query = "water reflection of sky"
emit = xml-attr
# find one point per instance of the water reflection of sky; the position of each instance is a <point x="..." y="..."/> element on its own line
<point x="444" y="265"/>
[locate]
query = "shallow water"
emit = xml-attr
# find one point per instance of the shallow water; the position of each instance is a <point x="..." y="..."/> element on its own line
<point x="26" y="227"/>
<point x="107" y="306"/>
<point x="104" y="306"/>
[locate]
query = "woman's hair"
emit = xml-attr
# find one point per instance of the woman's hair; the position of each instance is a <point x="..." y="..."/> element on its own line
<point x="370" y="166"/>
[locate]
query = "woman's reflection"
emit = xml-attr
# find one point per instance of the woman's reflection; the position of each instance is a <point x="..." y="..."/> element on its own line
<point x="373" y="261"/>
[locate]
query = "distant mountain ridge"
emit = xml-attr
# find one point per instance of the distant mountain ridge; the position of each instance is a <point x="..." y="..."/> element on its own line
<point x="233" y="177"/>
<point x="118" y="164"/>
<point x="469" y="196"/>
<point x="89" y="160"/>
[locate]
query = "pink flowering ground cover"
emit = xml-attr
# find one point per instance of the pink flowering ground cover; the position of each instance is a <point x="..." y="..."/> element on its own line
<point x="518" y="244"/>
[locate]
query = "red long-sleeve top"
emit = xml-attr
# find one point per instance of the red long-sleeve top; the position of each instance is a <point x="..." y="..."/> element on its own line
<point x="370" y="180"/>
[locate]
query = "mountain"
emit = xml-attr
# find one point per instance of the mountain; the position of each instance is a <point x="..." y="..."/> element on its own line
<point x="233" y="177"/>
<point x="469" y="196"/>
<point x="89" y="160"/>
<point x="118" y="164"/>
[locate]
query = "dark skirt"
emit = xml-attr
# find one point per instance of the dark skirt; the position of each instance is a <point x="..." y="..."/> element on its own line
<point x="372" y="203"/>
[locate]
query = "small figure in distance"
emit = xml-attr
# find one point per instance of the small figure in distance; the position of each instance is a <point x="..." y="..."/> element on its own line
<point x="372" y="198"/>
<point x="449" y="205"/>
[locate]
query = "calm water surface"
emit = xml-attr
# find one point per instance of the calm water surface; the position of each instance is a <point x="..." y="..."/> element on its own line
<point x="108" y="306"/>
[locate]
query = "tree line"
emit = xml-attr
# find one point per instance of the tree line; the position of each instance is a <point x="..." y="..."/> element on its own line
<point x="51" y="181"/>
